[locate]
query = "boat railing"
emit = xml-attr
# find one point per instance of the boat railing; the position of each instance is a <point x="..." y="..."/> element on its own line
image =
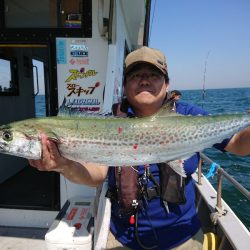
<point x="221" y="173"/>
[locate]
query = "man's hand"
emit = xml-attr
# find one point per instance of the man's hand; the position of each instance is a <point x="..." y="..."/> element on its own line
<point x="51" y="159"/>
<point x="82" y="173"/>
<point x="240" y="143"/>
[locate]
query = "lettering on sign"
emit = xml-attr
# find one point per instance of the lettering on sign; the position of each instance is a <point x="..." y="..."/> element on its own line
<point x="75" y="89"/>
<point x="79" y="74"/>
<point x="79" y="102"/>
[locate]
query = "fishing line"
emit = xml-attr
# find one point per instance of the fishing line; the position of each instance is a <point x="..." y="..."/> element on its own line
<point x="153" y="15"/>
<point x="204" y="80"/>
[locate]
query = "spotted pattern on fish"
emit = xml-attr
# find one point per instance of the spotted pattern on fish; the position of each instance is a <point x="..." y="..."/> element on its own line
<point x="122" y="141"/>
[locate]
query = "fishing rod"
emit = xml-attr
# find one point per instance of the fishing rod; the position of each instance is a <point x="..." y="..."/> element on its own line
<point x="204" y="80"/>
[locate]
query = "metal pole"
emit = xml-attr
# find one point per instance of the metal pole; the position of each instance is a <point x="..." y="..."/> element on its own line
<point x="244" y="191"/>
<point x="219" y="188"/>
<point x="199" y="171"/>
<point x="235" y="183"/>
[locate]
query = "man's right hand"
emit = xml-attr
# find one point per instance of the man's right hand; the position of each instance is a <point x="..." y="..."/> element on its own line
<point x="51" y="159"/>
<point x="90" y="174"/>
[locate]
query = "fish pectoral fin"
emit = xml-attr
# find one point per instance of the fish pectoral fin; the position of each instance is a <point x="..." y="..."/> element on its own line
<point x="53" y="137"/>
<point x="168" y="109"/>
<point x="178" y="167"/>
<point x="54" y="140"/>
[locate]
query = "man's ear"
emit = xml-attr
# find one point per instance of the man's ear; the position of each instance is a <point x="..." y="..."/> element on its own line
<point x="124" y="89"/>
<point x="124" y="105"/>
<point x="167" y="86"/>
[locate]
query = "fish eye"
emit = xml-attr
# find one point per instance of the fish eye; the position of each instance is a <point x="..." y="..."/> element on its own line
<point x="7" y="135"/>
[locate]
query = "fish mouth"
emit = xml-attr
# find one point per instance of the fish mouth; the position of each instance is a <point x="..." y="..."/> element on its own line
<point x="2" y="147"/>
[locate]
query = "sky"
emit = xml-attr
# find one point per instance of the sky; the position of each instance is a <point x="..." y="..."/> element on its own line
<point x="206" y="42"/>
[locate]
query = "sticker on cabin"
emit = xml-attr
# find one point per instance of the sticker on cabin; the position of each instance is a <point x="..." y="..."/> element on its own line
<point x="84" y="109"/>
<point x="76" y="74"/>
<point x="77" y="105"/>
<point x="82" y="78"/>
<point x="76" y="89"/>
<point x="81" y="102"/>
<point x="79" y="61"/>
<point x="79" y="50"/>
<point x="61" y="55"/>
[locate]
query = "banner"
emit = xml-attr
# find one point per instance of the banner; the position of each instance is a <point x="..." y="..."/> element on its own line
<point x="81" y="74"/>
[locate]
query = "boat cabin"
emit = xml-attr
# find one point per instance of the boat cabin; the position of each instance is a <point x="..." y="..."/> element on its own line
<point x="53" y="51"/>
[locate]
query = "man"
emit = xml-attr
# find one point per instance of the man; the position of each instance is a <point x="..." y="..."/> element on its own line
<point x="152" y="220"/>
<point x="176" y="95"/>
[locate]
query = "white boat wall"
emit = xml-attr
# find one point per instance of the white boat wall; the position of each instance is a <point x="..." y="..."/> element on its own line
<point x="222" y="227"/>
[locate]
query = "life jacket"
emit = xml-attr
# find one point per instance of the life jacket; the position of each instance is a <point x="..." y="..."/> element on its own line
<point x="131" y="188"/>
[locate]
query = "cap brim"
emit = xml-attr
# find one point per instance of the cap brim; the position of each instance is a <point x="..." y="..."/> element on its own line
<point x="131" y="66"/>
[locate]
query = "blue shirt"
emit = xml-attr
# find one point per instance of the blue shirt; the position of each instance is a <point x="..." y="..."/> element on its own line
<point x="155" y="225"/>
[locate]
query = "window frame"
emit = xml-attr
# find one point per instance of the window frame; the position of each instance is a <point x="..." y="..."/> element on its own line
<point x="14" y="79"/>
<point x="84" y="31"/>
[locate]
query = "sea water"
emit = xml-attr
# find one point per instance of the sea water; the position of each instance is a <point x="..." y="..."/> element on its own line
<point x="227" y="101"/>
<point x="216" y="101"/>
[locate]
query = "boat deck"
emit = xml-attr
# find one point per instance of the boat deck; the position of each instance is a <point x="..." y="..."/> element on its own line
<point x="20" y="238"/>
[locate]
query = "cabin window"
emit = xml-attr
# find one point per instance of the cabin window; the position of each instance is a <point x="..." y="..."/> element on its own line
<point x="30" y="13"/>
<point x="39" y="87"/>
<point x="8" y="83"/>
<point x="43" y="13"/>
<point x="71" y="13"/>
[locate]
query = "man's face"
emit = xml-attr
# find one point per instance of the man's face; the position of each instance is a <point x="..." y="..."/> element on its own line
<point x="177" y="97"/>
<point x="145" y="89"/>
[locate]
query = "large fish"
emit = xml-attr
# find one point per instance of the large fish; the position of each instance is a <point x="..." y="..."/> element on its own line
<point x="121" y="141"/>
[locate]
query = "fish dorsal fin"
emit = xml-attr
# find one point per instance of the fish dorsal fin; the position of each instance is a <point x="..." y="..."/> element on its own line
<point x="178" y="167"/>
<point x="167" y="109"/>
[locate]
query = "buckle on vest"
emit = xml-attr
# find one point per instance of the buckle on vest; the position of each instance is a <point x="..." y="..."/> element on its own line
<point x="152" y="192"/>
<point x="111" y="194"/>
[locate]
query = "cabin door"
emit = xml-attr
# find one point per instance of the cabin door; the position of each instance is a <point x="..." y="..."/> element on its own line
<point x="24" y="93"/>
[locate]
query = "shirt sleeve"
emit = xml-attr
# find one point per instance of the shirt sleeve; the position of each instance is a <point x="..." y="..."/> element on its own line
<point x="221" y="146"/>
<point x="189" y="109"/>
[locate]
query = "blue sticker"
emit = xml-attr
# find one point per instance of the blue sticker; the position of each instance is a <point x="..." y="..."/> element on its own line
<point x="61" y="55"/>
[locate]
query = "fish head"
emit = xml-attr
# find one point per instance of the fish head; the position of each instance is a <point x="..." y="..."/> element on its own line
<point x="18" y="143"/>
